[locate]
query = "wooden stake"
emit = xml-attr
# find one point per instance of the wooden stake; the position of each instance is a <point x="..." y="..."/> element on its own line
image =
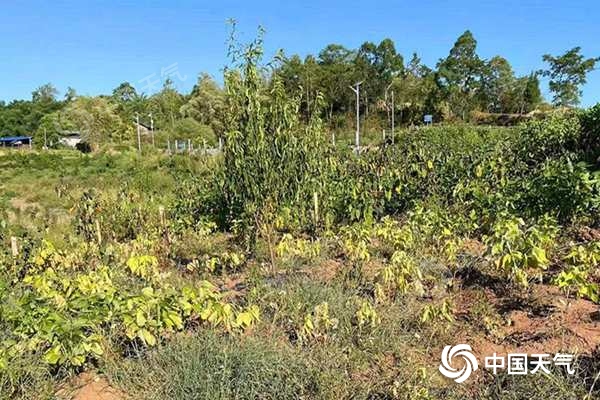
<point x="316" y="207"/>
<point x="161" y="213"/>
<point x="98" y="232"/>
<point x="14" y="246"/>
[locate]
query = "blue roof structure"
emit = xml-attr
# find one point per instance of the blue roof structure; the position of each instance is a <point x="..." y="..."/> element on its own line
<point x="12" y="139"/>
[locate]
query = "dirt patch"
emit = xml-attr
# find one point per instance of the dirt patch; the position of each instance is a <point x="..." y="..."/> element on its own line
<point x="325" y="271"/>
<point x="21" y="204"/>
<point x="89" y="386"/>
<point x="587" y="234"/>
<point x="546" y="321"/>
<point x="474" y="247"/>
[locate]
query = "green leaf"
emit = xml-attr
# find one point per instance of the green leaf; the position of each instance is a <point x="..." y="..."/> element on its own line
<point x="53" y="355"/>
<point x="140" y="319"/>
<point x="148" y="292"/>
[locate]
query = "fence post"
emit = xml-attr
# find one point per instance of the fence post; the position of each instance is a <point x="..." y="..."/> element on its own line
<point x="161" y="214"/>
<point x="98" y="232"/>
<point x="316" y="207"/>
<point x="14" y="247"/>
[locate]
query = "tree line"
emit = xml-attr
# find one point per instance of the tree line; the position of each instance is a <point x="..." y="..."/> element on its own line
<point x="458" y="85"/>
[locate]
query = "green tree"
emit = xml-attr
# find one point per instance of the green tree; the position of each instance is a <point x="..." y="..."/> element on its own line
<point x="498" y="85"/>
<point x="567" y="74"/>
<point x="70" y="94"/>
<point x="52" y="127"/>
<point x="532" y="94"/>
<point x="46" y="93"/>
<point x="206" y="105"/>
<point x="97" y="120"/>
<point x="124" y="93"/>
<point x="301" y="78"/>
<point x="271" y="159"/>
<point x="337" y="72"/>
<point x="165" y="106"/>
<point x="189" y="128"/>
<point x="459" y="75"/>
<point x="413" y="91"/>
<point x="377" y="66"/>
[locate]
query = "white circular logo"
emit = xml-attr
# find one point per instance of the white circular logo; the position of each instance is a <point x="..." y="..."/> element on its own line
<point x="460" y="350"/>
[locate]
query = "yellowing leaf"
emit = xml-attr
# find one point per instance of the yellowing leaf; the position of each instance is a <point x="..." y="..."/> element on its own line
<point x="147" y="337"/>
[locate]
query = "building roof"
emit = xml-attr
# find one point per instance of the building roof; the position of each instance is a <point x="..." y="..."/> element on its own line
<point x="141" y="123"/>
<point x="10" y="139"/>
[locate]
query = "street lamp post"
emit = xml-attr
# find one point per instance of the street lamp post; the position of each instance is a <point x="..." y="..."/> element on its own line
<point x="393" y="110"/>
<point x="393" y="118"/>
<point x="356" y="90"/>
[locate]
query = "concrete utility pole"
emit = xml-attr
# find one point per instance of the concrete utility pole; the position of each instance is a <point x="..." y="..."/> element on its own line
<point x="152" y="128"/>
<point x="356" y="90"/>
<point x="137" y="123"/>
<point x="393" y="110"/>
<point x="393" y="118"/>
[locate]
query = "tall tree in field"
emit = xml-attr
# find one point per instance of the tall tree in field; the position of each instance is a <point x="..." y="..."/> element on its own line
<point x="497" y="86"/>
<point x="124" y="93"/>
<point x="271" y="158"/>
<point x="337" y="72"/>
<point x="567" y="74"/>
<point x="377" y="65"/>
<point x="301" y="78"/>
<point x="459" y="75"/>
<point x="129" y="102"/>
<point x="165" y="105"/>
<point x="45" y="93"/>
<point x="532" y="94"/>
<point x="43" y="101"/>
<point x="97" y="120"/>
<point x="70" y="94"/>
<point x="412" y="91"/>
<point x="206" y="104"/>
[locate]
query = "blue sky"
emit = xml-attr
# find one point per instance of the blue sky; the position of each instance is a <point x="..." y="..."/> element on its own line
<point x="94" y="45"/>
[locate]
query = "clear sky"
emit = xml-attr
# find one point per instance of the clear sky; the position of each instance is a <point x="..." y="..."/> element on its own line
<point x="95" y="45"/>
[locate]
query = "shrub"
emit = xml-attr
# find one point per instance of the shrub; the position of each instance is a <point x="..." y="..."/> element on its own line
<point x="553" y="137"/>
<point x="590" y="126"/>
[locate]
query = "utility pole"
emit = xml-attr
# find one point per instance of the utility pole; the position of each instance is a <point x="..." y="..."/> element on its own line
<point x="356" y="90"/>
<point x="152" y="128"/>
<point x="393" y="118"/>
<point x="392" y="109"/>
<point x="137" y="123"/>
<point x="387" y="104"/>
